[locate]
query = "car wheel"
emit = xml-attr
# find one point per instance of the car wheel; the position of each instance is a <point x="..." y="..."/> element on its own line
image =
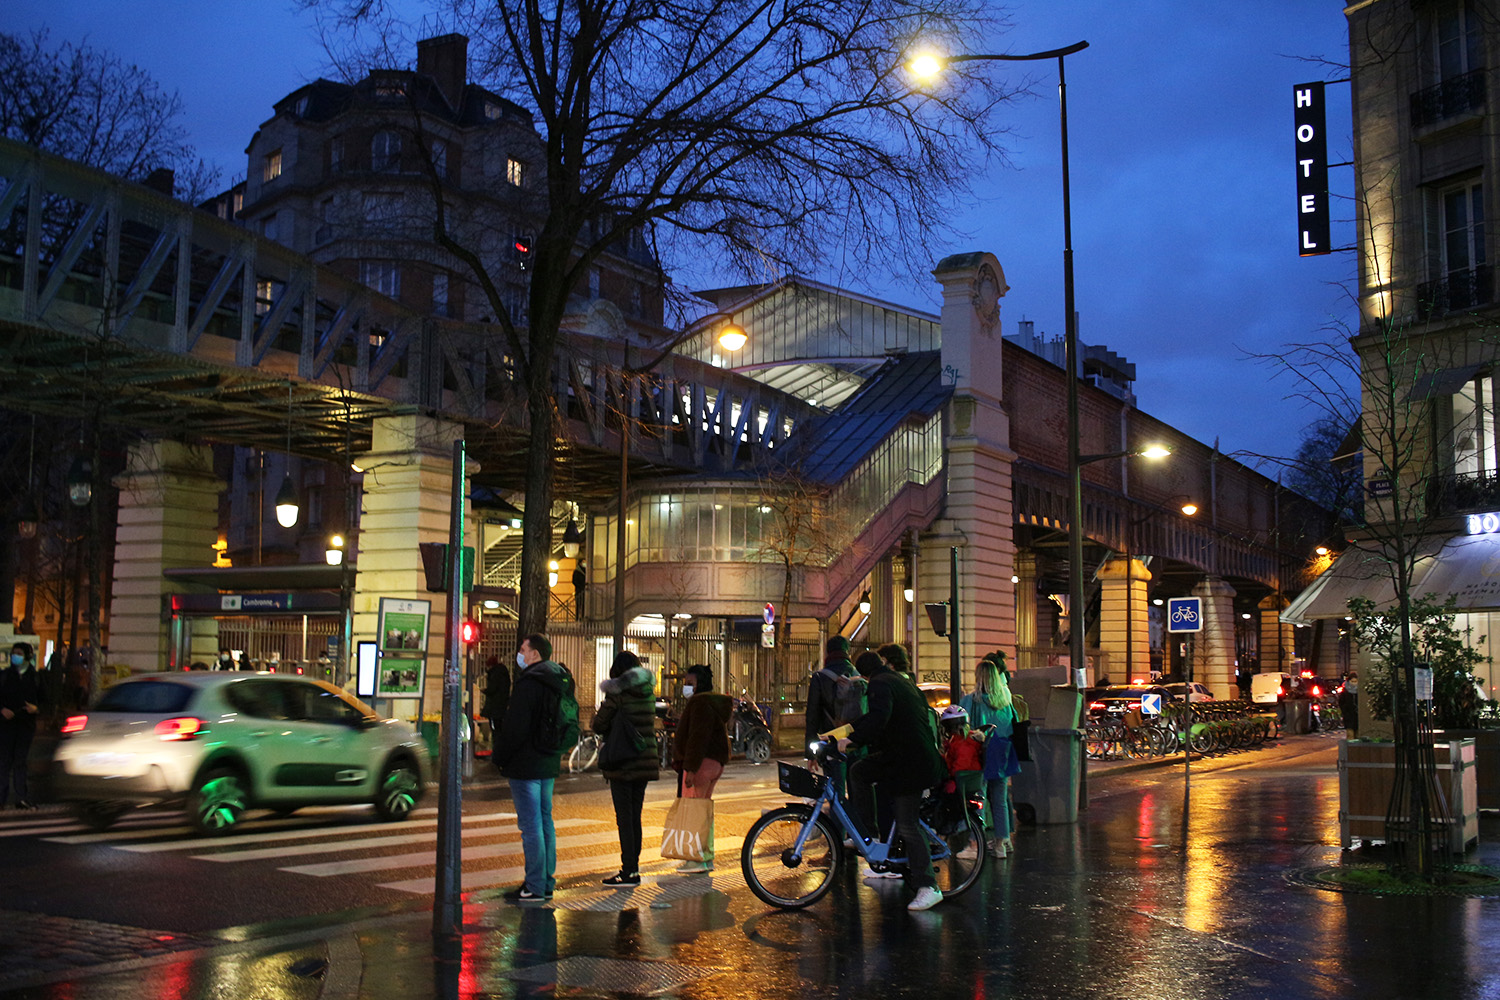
<point x="100" y="815"/>
<point x="758" y="750"/>
<point x="399" y="789"/>
<point x="218" y="801"/>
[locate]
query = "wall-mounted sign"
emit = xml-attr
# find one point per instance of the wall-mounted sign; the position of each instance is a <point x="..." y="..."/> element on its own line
<point x="1378" y="487"/>
<point x="1310" y="118"/>
<point x="403" y="627"/>
<point x="1483" y="524"/>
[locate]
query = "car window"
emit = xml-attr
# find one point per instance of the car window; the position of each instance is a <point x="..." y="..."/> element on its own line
<point x="146" y="697"/>
<point x="262" y="699"/>
<point x="314" y="703"/>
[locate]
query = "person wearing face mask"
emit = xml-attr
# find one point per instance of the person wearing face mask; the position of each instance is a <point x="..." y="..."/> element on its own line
<point x="20" y="693"/>
<point x="226" y="660"/>
<point x="701" y="747"/>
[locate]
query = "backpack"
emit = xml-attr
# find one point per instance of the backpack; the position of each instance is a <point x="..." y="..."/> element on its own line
<point x="849" y="699"/>
<point x="555" y="729"/>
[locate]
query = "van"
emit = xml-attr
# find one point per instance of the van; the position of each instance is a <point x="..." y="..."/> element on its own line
<point x="1265" y="689"/>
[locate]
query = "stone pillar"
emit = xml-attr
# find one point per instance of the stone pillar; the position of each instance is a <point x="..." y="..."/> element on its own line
<point x="168" y="519"/>
<point x="1276" y="645"/>
<point x="979" y="514"/>
<point x="407" y="500"/>
<point x="1026" y="609"/>
<point x="1125" y="620"/>
<point x="1214" y="646"/>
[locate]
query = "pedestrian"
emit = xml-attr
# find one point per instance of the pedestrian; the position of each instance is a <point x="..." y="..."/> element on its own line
<point x="226" y="660"/>
<point x="900" y="735"/>
<point x="990" y="705"/>
<point x="496" y="696"/>
<point x="828" y="686"/>
<point x="580" y="585"/>
<point x="527" y="754"/>
<point x="630" y="690"/>
<point x="20" y="697"/>
<point x="1349" y="705"/>
<point x="897" y="658"/>
<point x="701" y="747"/>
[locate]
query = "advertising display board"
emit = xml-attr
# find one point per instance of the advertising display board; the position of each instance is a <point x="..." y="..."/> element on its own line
<point x="402" y="647"/>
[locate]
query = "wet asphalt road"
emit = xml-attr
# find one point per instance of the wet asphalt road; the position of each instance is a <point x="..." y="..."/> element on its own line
<point x="1157" y="893"/>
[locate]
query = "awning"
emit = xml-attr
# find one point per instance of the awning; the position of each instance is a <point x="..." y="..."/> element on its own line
<point x="1466" y="568"/>
<point x="1443" y="382"/>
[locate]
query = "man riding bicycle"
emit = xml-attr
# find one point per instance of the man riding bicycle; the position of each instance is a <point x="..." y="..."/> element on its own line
<point x="898" y="730"/>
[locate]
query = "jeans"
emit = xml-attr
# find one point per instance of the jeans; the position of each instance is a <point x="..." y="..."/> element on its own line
<point x="918" y="852"/>
<point x="15" y="748"/>
<point x="532" y="798"/>
<point x="871" y="814"/>
<point x="997" y="801"/>
<point x="629" y="798"/>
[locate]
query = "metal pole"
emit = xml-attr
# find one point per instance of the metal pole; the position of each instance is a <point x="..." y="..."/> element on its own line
<point x="955" y="684"/>
<point x="621" y="510"/>
<point x="447" y="907"/>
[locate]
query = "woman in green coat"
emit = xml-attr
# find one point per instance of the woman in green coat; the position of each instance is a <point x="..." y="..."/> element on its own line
<point x="629" y="690"/>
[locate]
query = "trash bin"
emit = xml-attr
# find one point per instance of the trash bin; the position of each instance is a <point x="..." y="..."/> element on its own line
<point x="1049" y="781"/>
<point x="1296" y="716"/>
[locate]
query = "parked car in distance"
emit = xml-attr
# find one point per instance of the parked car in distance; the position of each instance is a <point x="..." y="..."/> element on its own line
<point x="1268" y="688"/>
<point x="1119" y="699"/>
<point x="936" y="693"/>
<point x="226" y="742"/>
<point x="1198" y="692"/>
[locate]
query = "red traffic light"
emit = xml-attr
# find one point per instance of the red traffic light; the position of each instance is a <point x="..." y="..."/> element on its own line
<point x="468" y="631"/>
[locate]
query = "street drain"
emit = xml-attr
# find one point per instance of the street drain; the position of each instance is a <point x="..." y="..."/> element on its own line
<point x="611" y="975"/>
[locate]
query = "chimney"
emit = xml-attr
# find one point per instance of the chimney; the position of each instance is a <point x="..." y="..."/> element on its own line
<point x="446" y="59"/>
<point x="162" y="179"/>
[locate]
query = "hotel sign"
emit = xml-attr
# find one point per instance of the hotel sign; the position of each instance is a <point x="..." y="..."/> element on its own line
<point x="1483" y="524"/>
<point x="1312" y="170"/>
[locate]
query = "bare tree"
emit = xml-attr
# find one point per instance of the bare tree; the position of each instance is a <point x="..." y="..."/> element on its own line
<point x="766" y="136"/>
<point x="88" y="105"/>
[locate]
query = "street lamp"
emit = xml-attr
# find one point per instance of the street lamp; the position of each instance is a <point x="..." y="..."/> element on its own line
<point x="731" y="337"/>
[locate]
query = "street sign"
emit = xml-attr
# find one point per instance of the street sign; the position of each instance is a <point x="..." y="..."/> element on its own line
<point x="1150" y="704"/>
<point x="769" y="614"/>
<point x="1184" y="614"/>
<point x="768" y="636"/>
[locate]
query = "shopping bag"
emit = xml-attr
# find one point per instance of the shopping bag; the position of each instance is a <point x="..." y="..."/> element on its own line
<point x="688" y="831"/>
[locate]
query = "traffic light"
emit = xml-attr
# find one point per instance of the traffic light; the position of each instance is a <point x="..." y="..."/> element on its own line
<point x="468" y="631"/>
<point x="436" y="566"/>
<point x="523" y="252"/>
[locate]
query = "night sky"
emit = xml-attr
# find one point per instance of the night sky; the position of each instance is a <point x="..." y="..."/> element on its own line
<point x="1180" y="127"/>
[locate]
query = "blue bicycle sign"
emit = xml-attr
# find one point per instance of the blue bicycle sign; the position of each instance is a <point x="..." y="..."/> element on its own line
<point x="1184" y="614"/>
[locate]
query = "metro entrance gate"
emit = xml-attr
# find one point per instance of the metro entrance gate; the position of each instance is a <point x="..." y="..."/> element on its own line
<point x="286" y="633"/>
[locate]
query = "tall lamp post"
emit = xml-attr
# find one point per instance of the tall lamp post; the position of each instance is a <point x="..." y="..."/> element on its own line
<point x="731" y="337"/>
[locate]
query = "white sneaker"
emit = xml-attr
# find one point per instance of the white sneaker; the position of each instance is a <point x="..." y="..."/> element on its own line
<point x="872" y="873"/>
<point x="998" y="849"/>
<point x="970" y="851"/>
<point x="927" y="898"/>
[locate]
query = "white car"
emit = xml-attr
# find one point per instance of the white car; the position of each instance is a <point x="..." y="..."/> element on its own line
<point x="226" y="742"/>
<point x="1196" y="691"/>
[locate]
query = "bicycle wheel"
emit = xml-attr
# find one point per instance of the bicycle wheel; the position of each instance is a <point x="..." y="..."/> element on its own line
<point x="773" y="874"/>
<point x="965" y="858"/>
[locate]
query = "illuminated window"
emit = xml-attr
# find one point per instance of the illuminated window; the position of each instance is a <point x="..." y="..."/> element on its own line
<point x="271" y="166"/>
<point x="1474" y="452"/>
<point x="515" y="172"/>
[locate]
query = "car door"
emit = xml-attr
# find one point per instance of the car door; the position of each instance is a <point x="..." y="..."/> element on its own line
<point x="328" y="755"/>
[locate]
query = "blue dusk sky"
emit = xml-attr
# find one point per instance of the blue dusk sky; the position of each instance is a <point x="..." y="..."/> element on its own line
<point x="1180" y="127"/>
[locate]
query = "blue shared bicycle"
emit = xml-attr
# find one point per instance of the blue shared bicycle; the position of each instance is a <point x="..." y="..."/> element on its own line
<point x="792" y="855"/>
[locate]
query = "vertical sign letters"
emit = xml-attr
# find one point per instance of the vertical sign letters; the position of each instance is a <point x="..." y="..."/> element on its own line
<point x="1312" y="170"/>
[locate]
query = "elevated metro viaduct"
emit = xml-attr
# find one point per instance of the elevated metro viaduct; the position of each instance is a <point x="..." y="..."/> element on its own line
<point x="920" y="434"/>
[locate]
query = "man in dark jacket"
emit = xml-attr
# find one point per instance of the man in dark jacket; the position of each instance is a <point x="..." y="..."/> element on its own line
<point x="20" y="696"/>
<point x="823" y="691"/>
<point x="904" y="759"/>
<point x="630" y="691"/>
<point x="496" y="695"/>
<point x="531" y="767"/>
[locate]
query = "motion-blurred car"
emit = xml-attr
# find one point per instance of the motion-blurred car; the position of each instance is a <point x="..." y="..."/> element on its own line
<point x="937" y="694"/>
<point x="1199" y="692"/>
<point x="227" y="742"/>
<point x="1122" y="698"/>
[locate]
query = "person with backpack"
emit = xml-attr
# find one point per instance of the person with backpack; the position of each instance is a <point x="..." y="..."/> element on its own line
<point x="991" y="706"/>
<point x="836" y="693"/>
<point x="626" y="720"/>
<point x="541" y="724"/>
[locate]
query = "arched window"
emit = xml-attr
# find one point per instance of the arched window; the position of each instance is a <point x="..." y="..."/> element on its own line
<point x="385" y="151"/>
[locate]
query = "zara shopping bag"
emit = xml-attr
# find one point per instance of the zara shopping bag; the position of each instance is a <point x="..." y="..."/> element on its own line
<point x="688" y="833"/>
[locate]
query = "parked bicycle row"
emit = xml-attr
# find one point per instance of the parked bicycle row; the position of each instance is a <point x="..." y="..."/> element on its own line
<point x="1205" y="727"/>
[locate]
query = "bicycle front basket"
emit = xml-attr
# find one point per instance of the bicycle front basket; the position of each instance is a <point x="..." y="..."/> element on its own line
<point x="798" y="781"/>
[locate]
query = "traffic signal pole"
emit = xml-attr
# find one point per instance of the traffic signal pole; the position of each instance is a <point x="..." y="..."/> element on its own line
<point x="447" y="907"/>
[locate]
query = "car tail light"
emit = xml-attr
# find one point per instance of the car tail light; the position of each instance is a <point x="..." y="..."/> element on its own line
<point x="1317" y="692"/>
<point x="1095" y="706"/>
<point x="182" y="728"/>
<point x="75" y="724"/>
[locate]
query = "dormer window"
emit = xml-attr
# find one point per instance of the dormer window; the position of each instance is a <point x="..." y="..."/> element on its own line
<point x="271" y="166"/>
<point x="515" y="172"/>
<point x="492" y="111"/>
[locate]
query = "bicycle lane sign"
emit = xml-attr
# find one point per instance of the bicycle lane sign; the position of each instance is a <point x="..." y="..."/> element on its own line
<point x="1185" y="614"/>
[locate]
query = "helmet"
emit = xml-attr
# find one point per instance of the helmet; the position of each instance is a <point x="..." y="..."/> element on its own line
<point x="954" y="719"/>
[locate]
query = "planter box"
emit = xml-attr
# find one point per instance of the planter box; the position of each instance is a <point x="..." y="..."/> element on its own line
<point x="1486" y="760"/>
<point x="1367" y="772"/>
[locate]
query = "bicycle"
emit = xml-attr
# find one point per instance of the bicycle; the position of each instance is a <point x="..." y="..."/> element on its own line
<point x="792" y="855"/>
<point x="586" y="754"/>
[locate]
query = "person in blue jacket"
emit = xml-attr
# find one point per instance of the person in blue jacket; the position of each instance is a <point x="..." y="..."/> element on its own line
<point x="990" y="705"/>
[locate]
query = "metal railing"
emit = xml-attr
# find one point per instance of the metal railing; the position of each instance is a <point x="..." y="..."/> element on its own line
<point x="1455" y="292"/>
<point x="1452" y="97"/>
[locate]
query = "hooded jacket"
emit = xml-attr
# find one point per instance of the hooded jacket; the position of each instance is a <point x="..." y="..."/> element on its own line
<point x="823" y="696"/>
<point x="703" y="731"/>
<point x="516" y="752"/>
<point x="900" y="730"/>
<point x="633" y="693"/>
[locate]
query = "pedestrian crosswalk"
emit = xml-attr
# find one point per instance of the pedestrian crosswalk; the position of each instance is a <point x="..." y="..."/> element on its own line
<point x="345" y="842"/>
